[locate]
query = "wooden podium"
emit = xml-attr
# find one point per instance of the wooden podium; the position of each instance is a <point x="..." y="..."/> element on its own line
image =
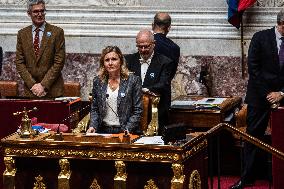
<point x="81" y="161"/>
<point x="277" y="134"/>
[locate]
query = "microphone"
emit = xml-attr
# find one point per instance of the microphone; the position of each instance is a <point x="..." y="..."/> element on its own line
<point x="107" y="95"/>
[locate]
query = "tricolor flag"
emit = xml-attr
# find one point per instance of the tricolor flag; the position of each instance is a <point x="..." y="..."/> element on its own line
<point x="236" y="9"/>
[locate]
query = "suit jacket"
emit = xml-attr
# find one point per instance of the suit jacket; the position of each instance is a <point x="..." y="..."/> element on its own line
<point x="265" y="74"/>
<point x="157" y="79"/>
<point x="129" y="103"/>
<point x="167" y="47"/>
<point x="46" y="68"/>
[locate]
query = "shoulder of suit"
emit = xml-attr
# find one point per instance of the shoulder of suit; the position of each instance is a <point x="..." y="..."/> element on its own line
<point x="53" y="27"/>
<point x="266" y="32"/>
<point x="163" y="58"/>
<point x="26" y="29"/>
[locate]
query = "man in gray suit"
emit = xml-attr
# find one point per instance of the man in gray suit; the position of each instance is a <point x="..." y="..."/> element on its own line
<point x="40" y="54"/>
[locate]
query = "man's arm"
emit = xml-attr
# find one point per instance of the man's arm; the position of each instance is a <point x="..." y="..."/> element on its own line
<point x="59" y="61"/>
<point x="20" y="62"/>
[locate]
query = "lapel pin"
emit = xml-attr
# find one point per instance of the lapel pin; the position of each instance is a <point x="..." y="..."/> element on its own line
<point x="122" y="95"/>
<point x="48" y="34"/>
<point x="152" y="75"/>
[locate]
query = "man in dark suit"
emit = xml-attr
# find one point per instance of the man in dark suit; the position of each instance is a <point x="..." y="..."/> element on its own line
<point x="1" y="59"/>
<point x="40" y="54"/>
<point x="153" y="68"/>
<point x="163" y="45"/>
<point x="265" y="89"/>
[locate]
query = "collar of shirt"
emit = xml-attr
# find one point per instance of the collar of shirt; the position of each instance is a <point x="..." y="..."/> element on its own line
<point x="278" y="38"/>
<point x="42" y="27"/>
<point x="148" y="61"/>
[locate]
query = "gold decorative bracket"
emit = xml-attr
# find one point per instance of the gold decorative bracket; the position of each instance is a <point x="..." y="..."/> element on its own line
<point x="177" y="181"/>
<point x="9" y="173"/>
<point x="121" y="176"/>
<point x="64" y="175"/>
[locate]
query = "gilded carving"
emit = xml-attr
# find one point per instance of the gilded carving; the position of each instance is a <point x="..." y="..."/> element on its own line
<point x="97" y="154"/>
<point x="194" y="180"/>
<point x="121" y="171"/>
<point x="150" y="185"/>
<point x="39" y="184"/>
<point x="10" y="166"/>
<point x="95" y="184"/>
<point x="178" y="178"/>
<point x="153" y="125"/>
<point x="65" y="169"/>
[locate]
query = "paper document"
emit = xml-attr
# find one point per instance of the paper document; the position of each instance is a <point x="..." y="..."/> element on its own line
<point x="150" y="140"/>
<point x="98" y="134"/>
<point x="182" y="102"/>
<point x="210" y="101"/>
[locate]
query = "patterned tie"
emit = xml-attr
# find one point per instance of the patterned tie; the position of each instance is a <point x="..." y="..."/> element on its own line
<point x="36" y="42"/>
<point x="281" y="53"/>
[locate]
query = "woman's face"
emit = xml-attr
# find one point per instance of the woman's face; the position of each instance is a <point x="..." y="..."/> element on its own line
<point x="112" y="63"/>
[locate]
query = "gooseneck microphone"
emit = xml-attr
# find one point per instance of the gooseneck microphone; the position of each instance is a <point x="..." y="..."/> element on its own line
<point x="107" y="95"/>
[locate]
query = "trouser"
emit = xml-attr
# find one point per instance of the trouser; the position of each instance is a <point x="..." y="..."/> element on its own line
<point x="257" y="121"/>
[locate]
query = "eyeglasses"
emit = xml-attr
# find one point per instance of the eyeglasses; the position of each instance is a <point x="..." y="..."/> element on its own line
<point x="42" y="11"/>
<point x="144" y="46"/>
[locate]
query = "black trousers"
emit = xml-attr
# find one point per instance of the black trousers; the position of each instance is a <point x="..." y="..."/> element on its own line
<point x="257" y="121"/>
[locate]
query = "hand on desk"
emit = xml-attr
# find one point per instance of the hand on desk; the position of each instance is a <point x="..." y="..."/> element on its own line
<point x="91" y="130"/>
<point x="38" y="90"/>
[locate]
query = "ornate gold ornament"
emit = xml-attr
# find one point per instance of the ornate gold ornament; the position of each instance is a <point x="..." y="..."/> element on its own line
<point x="95" y="184"/>
<point x="121" y="171"/>
<point x="178" y="178"/>
<point x="65" y="169"/>
<point x="10" y="166"/>
<point x="98" y="154"/>
<point x="194" y="180"/>
<point x="153" y="125"/>
<point x="39" y="184"/>
<point x="150" y="185"/>
<point x="26" y="130"/>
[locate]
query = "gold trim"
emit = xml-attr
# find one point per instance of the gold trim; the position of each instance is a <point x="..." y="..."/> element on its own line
<point x="178" y="178"/>
<point x="39" y="184"/>
<point x="95" y="184"/>
<point x="150" y="185"/>
<point x="94" y="154"/>
<point x="194" y="180"/>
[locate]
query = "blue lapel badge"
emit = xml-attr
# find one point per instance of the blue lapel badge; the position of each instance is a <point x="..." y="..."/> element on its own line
<point x="122" y="95"/>
<point x="48" y="34"/>
<point x="152" y="75"/>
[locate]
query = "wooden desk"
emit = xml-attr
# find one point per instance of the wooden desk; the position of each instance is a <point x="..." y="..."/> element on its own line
<point x="103" y="162"/>
<point x="203" y="118"/>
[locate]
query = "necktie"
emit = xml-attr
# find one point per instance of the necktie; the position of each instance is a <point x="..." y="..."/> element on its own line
<point x="144" y="68"/>
<point x="281" y="53"/>
<point x="36" y="42"/>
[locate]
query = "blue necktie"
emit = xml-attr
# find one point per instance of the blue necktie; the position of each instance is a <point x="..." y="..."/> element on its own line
<point x="281" y="53"/>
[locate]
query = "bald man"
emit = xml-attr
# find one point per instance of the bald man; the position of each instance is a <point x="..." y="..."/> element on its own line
<point x="154" y="70"/>
<point x="161" y="27"/>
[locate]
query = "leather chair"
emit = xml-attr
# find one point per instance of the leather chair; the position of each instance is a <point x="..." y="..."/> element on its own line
<point x="72" y="89"/>
<point x="8" y="88"/>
